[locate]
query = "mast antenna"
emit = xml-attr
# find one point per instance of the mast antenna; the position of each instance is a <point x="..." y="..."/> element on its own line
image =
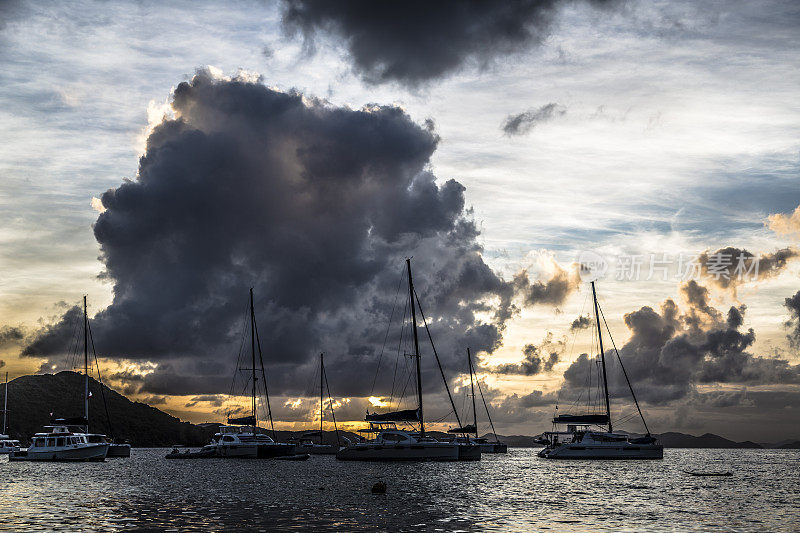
<point x="602" y="357"/>
<point x="416" y="346"/>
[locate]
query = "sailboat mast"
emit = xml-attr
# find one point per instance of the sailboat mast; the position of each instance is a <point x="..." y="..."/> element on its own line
<point x="472" y="387"/>
<point x="253" y="356"/>
<point x="85" y="365"/>
<point x="602" y="356"/>
<point x="5" y="405"/>
<point x="321" y="377"/>
<point x="416" y="347"/>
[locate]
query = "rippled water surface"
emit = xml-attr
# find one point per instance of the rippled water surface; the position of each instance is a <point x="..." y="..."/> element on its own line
<point x="513" y="492"/>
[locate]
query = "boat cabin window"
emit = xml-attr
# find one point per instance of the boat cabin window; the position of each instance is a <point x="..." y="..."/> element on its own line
<point x="60" y="441"/>
<point x="38" y="443"/>
<point x="228" y="438"/>
<point x="51" y="442"/>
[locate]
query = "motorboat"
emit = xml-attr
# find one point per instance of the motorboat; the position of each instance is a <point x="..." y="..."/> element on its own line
<point x="61" y="443"/>
<point x="591" y="435"/>
<point x="8" y="445"/>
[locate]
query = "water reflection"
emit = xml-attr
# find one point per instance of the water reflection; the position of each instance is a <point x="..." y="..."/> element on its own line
<point x="513" y="492"/>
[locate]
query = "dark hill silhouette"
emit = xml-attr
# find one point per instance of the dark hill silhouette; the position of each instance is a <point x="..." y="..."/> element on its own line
<point x="31" y="399"/>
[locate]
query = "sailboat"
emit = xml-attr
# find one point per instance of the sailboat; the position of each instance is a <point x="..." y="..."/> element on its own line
<point x="580" y="441"/>
<point x="242" y="437"/>
<point x="115" y="449"/>
<point x="7" y="444"/>
<point x="464" y="433"/>
<point x="390" y="443"/>
<point x="68" y="439"/>
<point x="306" y="442"/>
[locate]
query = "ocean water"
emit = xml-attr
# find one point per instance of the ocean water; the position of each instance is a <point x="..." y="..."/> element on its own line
<point x="512" y="492"/>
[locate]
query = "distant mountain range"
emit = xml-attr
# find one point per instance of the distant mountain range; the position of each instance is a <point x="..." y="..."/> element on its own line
<point x="32" y="399"/>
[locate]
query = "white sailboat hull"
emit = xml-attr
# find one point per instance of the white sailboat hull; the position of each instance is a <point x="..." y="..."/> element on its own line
<point x="601" y="451"/>
<point x="87" y="452"/>
<point x="427" y="451"/>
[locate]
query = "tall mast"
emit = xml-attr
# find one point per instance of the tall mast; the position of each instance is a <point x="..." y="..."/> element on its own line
<point x="321" y="377"/>
<point x="416" y="347"/>
<point x="472" y="386"/>
<point x="253" y="355"/>
<point x="85" y="365"/>
<point x="5" y="405"/>
<point x="602" y="356"/>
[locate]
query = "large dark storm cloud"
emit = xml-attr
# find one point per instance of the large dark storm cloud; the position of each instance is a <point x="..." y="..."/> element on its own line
<point x="671" y="352"/>
<point x="414" y="42"/>
<point x="315" y="207"/>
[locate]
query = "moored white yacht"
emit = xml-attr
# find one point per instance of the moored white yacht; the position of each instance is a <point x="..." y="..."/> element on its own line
<point x="387" y="442"/>
<point x="60" y="443"/>
<point x="242" y="437"/>
<point x="249" y="442"/>
<point x="579" y="441"/>
<point x="392" y="444"/>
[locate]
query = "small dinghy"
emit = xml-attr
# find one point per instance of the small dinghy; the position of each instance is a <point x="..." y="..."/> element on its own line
<point x="296" y="457"/>
<point x="188" y="454"/>
<point x="708" y="474"/>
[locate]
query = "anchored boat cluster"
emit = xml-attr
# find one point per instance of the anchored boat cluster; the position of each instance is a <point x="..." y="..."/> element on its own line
<point x="587" y="435"/>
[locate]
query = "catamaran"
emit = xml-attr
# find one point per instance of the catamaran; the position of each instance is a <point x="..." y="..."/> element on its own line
<point x="385" y="441"/>
<point x="7" y="444"/>
<point x="581" y="441"/>
<point x="306" y="443"/>
<point x="242" y="437"/>
<point x="463" y="435"/>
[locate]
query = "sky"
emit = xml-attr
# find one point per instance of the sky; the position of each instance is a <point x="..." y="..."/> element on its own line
<point x="163" y="159"/>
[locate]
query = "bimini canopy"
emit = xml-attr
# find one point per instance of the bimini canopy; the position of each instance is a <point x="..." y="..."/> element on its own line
<point x="243" y="421"/>
<point x="409" y="415"/>
<point x="71" y="421"/>
<point x="581" y="419"/>
<point x="466" y="429"/>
